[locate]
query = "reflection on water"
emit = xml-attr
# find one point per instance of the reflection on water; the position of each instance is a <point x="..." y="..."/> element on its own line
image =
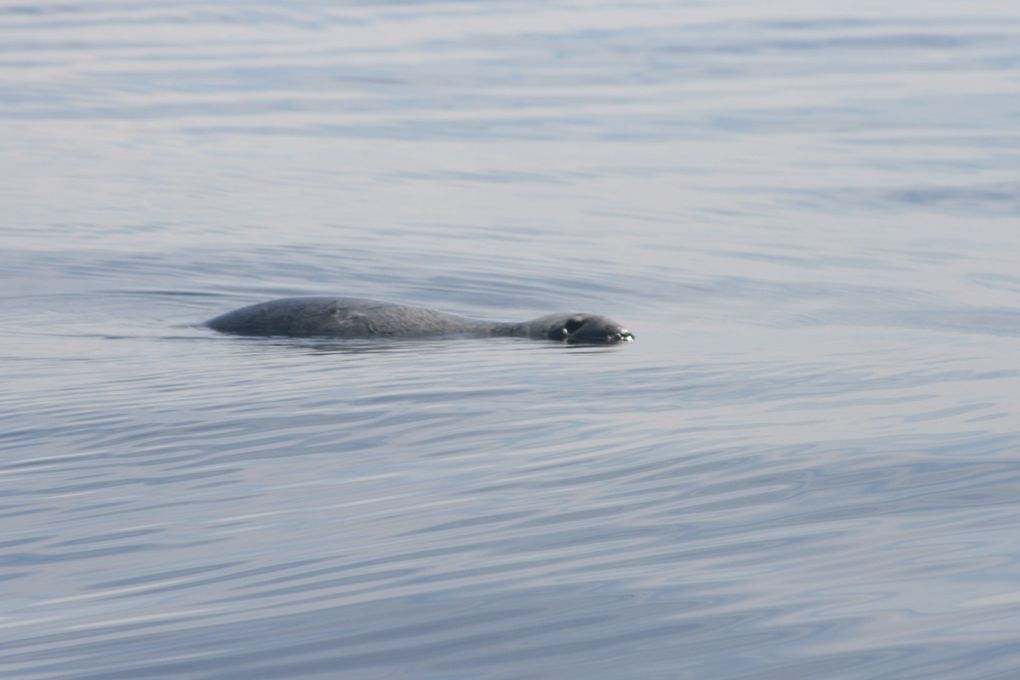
<point x="804" y="467"/>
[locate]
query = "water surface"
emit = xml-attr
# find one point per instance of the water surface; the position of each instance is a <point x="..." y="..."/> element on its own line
<point x="806" y="466"/>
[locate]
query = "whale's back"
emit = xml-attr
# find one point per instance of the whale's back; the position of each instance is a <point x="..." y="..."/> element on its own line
<point x="340" y="317"/>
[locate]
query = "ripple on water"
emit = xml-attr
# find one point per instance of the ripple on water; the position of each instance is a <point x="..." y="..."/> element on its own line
<point x="804" y="467"/>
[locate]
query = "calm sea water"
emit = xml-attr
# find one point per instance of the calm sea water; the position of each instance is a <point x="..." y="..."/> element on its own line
<point x="807" y="466"/>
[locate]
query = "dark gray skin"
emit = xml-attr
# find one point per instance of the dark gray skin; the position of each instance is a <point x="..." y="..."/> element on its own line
<point x="355" y="318"/>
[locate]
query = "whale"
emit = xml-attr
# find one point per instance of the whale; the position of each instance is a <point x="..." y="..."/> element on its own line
<point x="345" y="317"/>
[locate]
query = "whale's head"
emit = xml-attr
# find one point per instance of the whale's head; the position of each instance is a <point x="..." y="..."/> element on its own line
<point x="585" y="329"/>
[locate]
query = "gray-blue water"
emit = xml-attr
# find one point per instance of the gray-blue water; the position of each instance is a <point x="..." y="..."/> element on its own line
<point x="807" y="466"/>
